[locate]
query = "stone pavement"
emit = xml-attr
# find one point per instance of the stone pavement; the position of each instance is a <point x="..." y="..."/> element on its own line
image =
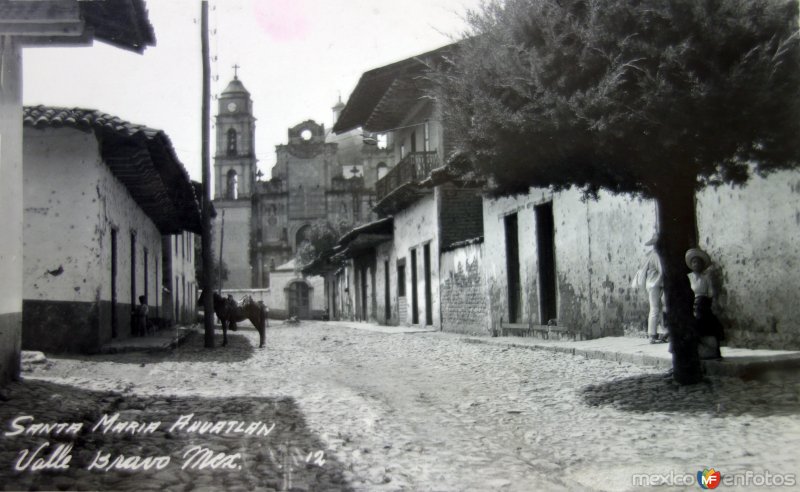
<point x="380" y="328"/>
<point x="373" y="411"/>
<point x="736" y="362"/>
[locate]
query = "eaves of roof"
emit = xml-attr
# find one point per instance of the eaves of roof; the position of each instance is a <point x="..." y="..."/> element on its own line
<point x="374" y="85"/>
<point x="377" y="227"/>
<point x="122" y="23"/>
<point x="142" y="158"/>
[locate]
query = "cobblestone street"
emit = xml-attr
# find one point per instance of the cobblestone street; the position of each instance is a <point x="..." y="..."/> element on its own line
<point x="359" y="410"/>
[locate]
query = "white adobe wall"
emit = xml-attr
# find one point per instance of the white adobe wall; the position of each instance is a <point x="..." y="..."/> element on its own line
<point x="598" y="246"/>
<point x="385" y="252"/>
<point x="183" y="277"/>
<point x="753" y="234"/>
<point x="236" y="242"/>
<point x="415" y="226"/>
<point x="72" y="202"/>
<point x="277" y="300"/>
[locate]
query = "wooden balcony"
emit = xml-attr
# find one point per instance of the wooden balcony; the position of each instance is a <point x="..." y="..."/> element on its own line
<point x="412" y="169"/>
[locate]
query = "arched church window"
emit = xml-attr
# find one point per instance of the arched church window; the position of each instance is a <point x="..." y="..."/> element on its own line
<point x="233" y="185"/>
<point x="231" y="141"/>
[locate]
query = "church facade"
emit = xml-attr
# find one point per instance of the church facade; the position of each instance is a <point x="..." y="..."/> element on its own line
<point x="318" y="179"/>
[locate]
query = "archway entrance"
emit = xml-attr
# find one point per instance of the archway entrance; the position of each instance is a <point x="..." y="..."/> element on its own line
<point x="298" y="300"/>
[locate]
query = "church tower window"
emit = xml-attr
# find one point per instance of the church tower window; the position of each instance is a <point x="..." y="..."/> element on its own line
<point x="231" y="142"/>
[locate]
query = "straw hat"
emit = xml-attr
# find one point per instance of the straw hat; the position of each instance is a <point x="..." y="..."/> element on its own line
<point x="697" y="253"/>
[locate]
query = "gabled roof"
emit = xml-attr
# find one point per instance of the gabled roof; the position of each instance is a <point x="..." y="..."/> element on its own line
<point x="142" y="158"/>
<point x="122" y="23"/>
<point x="383" y="91"/>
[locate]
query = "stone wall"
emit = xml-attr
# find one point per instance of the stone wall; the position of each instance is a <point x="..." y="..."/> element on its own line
<point x="463" y="290"/>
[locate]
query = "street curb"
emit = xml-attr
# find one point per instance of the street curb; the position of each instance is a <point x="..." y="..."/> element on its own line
<point x="733" y="367"/>
<point x="638" y="359"/>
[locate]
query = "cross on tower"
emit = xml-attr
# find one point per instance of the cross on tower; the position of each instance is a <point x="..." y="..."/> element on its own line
<point x="236" y="68"/>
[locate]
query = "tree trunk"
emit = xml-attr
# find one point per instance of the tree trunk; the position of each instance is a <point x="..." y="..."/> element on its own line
<point x="677" y="225"/>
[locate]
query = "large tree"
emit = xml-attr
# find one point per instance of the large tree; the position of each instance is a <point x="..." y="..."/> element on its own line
<point x="320" y="240"/>
<point x="657" y="98"/>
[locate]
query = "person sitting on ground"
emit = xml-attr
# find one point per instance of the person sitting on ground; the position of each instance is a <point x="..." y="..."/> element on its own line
<point x="708" y="327"/>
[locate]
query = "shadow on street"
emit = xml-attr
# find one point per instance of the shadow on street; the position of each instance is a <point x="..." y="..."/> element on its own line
<point x="660" y="393"/>
<point x="240" y="348"/>
<point x="286" y="457"/>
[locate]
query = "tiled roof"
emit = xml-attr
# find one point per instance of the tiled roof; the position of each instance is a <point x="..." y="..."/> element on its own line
<point x="81" y="119"/>
<point x="142" y="158"/>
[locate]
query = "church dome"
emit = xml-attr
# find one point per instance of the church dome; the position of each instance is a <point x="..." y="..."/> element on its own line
<point x="235" y="87"/>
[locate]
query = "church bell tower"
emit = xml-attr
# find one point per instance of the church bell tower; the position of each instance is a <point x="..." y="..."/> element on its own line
<point x="235" y="159"/>
<point x="234" y="184"/>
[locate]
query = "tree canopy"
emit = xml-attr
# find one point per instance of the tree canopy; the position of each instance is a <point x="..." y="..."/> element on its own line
<point x="626" y="95"/>
<point x="322" y="237"/>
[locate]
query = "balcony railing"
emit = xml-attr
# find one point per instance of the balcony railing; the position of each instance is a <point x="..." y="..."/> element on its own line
<point x="413" y="168"/>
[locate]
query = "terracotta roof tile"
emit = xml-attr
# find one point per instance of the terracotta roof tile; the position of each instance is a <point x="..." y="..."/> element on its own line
<point x="147" y="164"/>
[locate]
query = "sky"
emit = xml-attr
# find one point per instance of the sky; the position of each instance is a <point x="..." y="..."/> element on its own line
<point x="297" y="57"/>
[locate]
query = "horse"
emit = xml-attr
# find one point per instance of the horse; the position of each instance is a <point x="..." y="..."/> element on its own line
<point x="230" y="312"/>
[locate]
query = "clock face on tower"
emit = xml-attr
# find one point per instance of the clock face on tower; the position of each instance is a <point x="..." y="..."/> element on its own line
<point x="232" y="107"/>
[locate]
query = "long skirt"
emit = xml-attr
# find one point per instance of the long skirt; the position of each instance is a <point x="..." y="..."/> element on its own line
<point x="708" y="328"/>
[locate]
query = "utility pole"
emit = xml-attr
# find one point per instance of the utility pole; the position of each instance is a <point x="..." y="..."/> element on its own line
<point x="221" y="242"/>
<point x="205" y="118"/>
